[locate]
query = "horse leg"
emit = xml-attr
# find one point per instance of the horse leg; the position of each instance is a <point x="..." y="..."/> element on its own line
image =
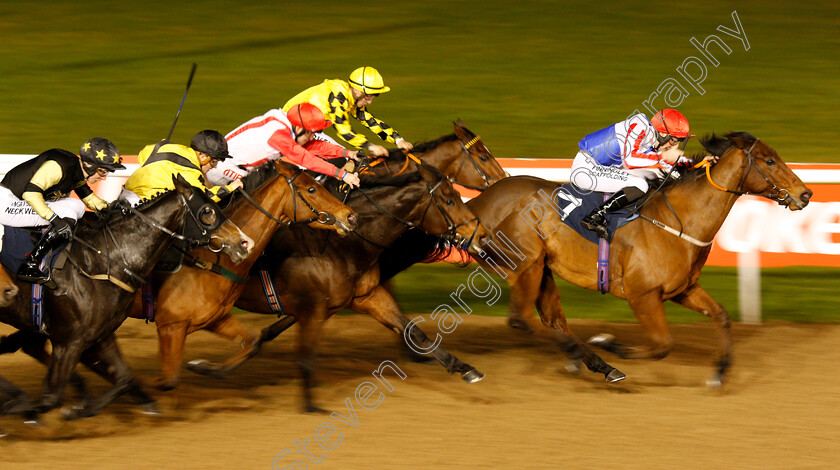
<point x="232" y="329"/>
<point x="523" y="295"/>
<point x="171" y="339"/>
<point x="18" y="402"/>
<point x="551" y="312"/>
<point x="308" y="335"/>
<point x="92" y="362"/>
<point x="381" y="306"/>
<point x="106" y="351"/>
<point x="650" y="312"/>
<point x="61" y="367"/>
<point x="696" y="298"/>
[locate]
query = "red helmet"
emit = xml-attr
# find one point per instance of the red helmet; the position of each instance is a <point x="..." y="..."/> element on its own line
<point x="671" y="122"/>
<point x="307" y="116"/>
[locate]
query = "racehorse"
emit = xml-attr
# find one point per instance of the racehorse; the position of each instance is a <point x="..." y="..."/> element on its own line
<point x="648" y="265"/>
<point x="316" y="276"/>
<point x="193" y="298"/>
<point x="108" y="261"/>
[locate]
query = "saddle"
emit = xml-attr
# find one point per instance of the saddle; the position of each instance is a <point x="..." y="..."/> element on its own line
<point x="575" y="204"/>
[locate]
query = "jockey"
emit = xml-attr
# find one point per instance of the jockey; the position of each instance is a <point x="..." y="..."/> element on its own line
<point x="37" y="193"/>
<point x="160" y="161"/>
<point x="338" y="100"/>
<point x="289" y="135"/>
<point x="622" y="158"/>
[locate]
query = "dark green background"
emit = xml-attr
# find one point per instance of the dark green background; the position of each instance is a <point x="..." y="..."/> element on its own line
<point x="532" y="77"/>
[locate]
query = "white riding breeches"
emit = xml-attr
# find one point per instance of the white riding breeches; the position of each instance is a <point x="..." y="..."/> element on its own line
<point x="589" y="175"/>
<point x="18" y="213"/>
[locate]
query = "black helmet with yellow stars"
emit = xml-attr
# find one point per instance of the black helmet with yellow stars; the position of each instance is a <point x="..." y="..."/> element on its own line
<point x="101" y="153"/>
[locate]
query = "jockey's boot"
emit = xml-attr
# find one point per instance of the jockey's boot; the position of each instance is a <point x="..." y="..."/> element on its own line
<point x="597" y="219"/>
<point x="30" y="270"/>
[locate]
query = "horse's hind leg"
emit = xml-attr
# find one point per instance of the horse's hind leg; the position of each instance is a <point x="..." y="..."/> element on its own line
<point x="381" y="306"/>
<point x="232" y="329"/>
<point x="550" y="310"/>
<point x="91" y="361"/>
<point x="106" y="351"/>
<point x="696" y="298"/>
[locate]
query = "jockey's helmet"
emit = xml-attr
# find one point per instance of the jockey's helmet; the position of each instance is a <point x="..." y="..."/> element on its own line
<point x="671" y="122"/>
<point x="101" y="153"/>
<point x="368" y="80"/>
<point x="211" y="143"/>
<point x="307" y="116"/>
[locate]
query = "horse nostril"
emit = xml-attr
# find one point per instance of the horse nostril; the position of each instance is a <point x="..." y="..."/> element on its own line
<point x="11" y="292"/>
<point x="351" y="219"/>
<point x="806" y="196"/>
<point x="482" y="240"/>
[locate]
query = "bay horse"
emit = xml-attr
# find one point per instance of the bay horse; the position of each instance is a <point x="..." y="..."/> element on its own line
<point x="648" y="265"/>
<point x="106" y="262"/>
<point x="193" y="298"/>
<point x="316" y="275"/>
<point x="461" y="156"/>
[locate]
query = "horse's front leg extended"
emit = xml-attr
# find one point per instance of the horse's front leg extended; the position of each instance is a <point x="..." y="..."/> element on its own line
<point x="61" y="368"/>
<point x="106" y="351"/>
<point x="380" y="305"/>
<point x="696" y="298"/>
<point x="231" y="328"/>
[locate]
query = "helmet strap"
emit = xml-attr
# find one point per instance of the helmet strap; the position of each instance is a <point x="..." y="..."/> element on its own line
<point x="90" y="169"/>
<point x="203" y="158"/>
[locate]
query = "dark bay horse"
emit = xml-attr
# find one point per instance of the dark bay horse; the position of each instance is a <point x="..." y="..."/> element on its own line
<point x="648" y="265"/>
<point x="106" y="263"/>
<point x="316" y="275"/>
<point x="193" y="299"/>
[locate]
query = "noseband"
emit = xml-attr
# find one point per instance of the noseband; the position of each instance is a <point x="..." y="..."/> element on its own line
<point x="779" y="194"/>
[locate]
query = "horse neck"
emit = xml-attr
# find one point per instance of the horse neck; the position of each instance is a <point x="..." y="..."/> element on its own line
<point x="406" y="202"/>
<point x="275" y="197"/>
<point x="701" y="207"/>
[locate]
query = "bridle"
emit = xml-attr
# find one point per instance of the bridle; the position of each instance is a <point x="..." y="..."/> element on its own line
<point x="779" y="194"/>
<point x="322" y="217"/>
<point x="451" y="226"/>
<point x="468" y="156"/>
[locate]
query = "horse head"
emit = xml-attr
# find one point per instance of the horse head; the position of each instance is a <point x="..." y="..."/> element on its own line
<point x="8" y="289"/>
<point x="762" y="170"/>
<point x="319" y="208"/>
<point x="206" y="224"/>
<point x="450" y="215"/>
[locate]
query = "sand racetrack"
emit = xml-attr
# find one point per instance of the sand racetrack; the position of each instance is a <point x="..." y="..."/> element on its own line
<point x="781" y="408"/>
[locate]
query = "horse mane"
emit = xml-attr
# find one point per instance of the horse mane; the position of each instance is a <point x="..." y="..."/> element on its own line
<point x="426" y="146"/>
<point x="114" y="210"/>
<point x="258" y="176"/>
<point x="719" y="145"/>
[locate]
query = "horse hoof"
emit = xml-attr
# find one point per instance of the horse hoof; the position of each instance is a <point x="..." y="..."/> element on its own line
<point x="69" y="414"/>
<point x="573" y="367"/>
<point x="615" y="376"/>
<point x="472" y="376"/>
<point x="150" y="409"/>
<point x="518" y="324"/>
<point x="2" y="434"/>
<point x="202" y="367"/>
<point x="32" y="422"/>
<point x="715" y="382"/>
<point x="315" y="410"/>
<point x="602" y="340"/>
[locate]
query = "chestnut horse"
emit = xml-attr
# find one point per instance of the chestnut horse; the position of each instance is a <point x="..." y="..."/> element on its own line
<point x="316" y="275"/>
<point x="106" y="263"/>
<point x="193" y="299"/>
<point x="648" y="265"/>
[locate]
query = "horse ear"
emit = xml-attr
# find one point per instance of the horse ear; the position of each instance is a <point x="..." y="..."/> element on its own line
<point x="461" y="131"/>
<point x="284" y="169"/>
<point x="181" y="185"/>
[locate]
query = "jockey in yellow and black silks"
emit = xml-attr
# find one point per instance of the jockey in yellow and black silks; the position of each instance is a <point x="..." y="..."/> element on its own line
<point x="160" y="161"/>
<point x="339" y="100"/>
<point x="37" y="193"/>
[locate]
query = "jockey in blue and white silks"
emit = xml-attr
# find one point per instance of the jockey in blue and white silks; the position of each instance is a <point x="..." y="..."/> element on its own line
<point x="622" y="158"/>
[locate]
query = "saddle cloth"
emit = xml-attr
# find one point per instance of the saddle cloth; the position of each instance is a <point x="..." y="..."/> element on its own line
<point x="576" y="204"/>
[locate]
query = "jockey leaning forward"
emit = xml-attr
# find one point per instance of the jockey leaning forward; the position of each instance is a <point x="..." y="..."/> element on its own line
<point x="288" y="135"/>
<point x="339" y="100"/>
<point x="624" y="157"/>
<point x="37" y="193"/>
<point x="158" y="162"/>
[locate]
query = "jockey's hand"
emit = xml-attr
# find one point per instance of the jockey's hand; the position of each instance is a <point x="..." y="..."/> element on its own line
<point x="378" y="150"/>
<point x="236" y="185"/>
<point x="671" y="154"/>
<point x="404" y="144"/>
<point x="351" y="179"/>
<point x="353" y="155"/>
<point x="62" y="227"/>
<point x="711" y="158"/>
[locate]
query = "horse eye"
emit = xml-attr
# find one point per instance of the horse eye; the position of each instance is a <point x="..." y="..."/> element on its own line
<point x="312" y="190"/>
<point x="207" y="216"/>
<point x="483" y="158"/>
<point x="771" y="162"/>
<point x="449" y="202"/>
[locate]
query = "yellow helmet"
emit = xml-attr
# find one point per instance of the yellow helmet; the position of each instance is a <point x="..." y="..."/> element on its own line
<point x="368" y="80"/>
